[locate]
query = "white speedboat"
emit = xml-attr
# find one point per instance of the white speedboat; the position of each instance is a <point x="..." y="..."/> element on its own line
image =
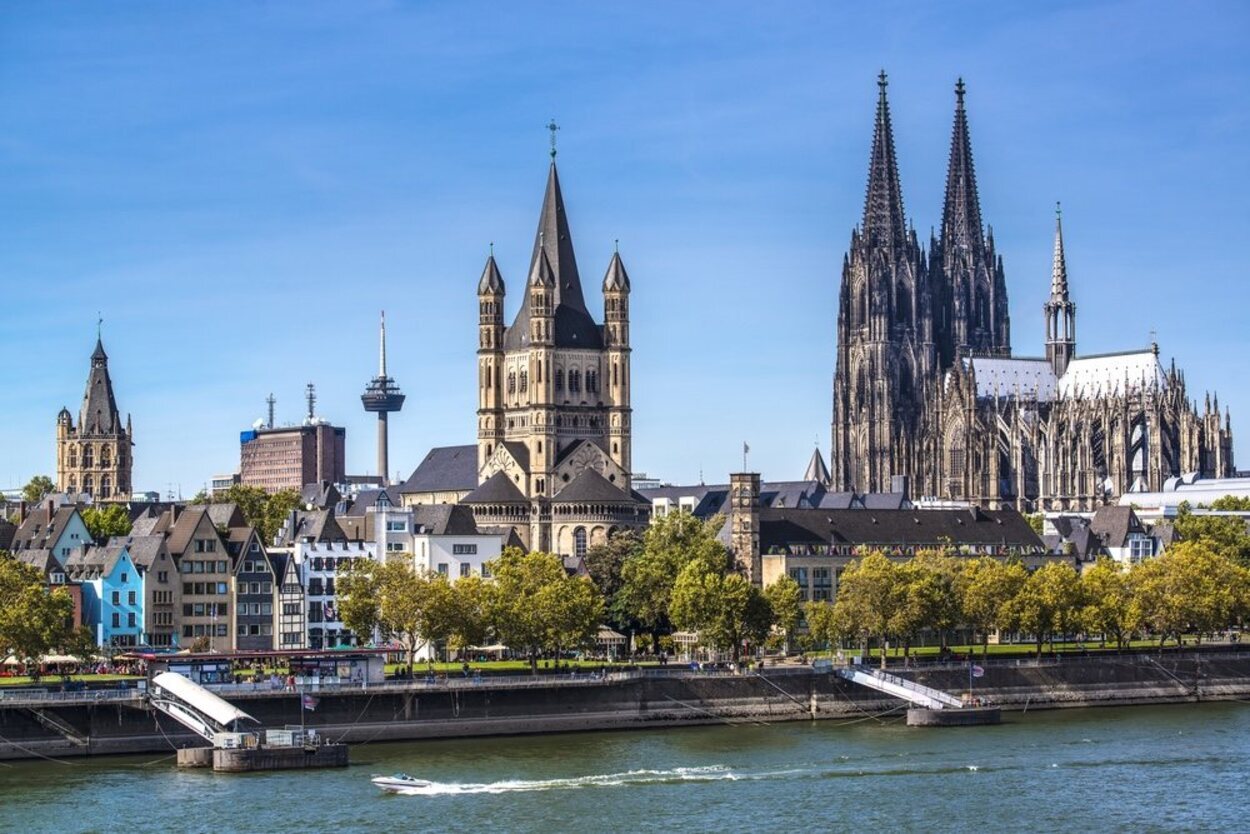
<point x="399" y="782"/>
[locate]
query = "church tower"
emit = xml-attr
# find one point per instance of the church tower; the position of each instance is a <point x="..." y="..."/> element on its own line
<point x="94" y="457"/>
<point x="886" y="353"/>
<point x="1060" y="311"/>
<point x="968" y="276"/>
<point x="554" y="434"/>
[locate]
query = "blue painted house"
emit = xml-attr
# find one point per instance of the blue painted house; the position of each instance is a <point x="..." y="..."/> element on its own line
<point x="112" y="594"/>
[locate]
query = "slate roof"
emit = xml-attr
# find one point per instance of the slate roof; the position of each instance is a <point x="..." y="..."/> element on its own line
<point x="1114" y="524"/>
<point x="445" y="519"/>
<point x="184" y="527"/>
<point x="320" y="496"/>
<point x="816" y="468"/>
<point x="41" y="559"/>
<point x="99" y="409"/>
<point x="782" y="527"/>
<point x="508" y="534"/>
<point x="367" y="499"/>
<point x="42" y="527"/>
<point x="225" y="515"/>
<point x="7" y="532"/>
<point x="497" y="489"/>
<point x="590" y="487"/>
<point x="444" y="469"/>
<point x="553" y="251"/>
<point x="144" y="550"/>
<point x="312" y="525"/>
<point x="713" y="499"/>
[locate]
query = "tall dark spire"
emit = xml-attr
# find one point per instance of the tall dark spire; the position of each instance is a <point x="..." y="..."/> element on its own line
<point x="1058" y="264"/>
<point x="99" y="413"/>
<point x="574" y="325"/>
<point x="883" y="207"/>
<point x="961" y="215"/>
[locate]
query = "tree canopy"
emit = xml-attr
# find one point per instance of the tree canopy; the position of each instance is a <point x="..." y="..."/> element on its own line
<point x="534" y="606"/>
<point x="34" y="620"/>
<point x="106" y="521"/>
<point x="37" y="488"/>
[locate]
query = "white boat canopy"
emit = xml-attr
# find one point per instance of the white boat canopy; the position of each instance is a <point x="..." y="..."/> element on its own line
<point x="200" y="699"/>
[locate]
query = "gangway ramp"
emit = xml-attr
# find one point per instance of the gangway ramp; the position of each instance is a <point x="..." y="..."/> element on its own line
<point x="194" y="707"/>
<point x="918" y="694"/>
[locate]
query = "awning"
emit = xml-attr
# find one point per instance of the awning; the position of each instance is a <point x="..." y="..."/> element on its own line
<point x="223" y="712"/>
<point x="609" y="635"/>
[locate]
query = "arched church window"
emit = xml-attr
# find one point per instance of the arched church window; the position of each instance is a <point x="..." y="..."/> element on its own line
<point x="511" y="382"/>
<point x="592" y="381"/>
<point x="105" y="457"/>
<point x="106" y="486"/>
<point x="559" y="379"/>
<point x="957" y="459"/>
<point x="525" y="381"/>
<point x="73" y="456"/>
<point x="579" y="542"/>
<point x="903" y="307"/>
<point x="88" y="485"/>
<point x="88" y="457"/>
<point x="575" y="381"/>
<point x="982" y="308"/>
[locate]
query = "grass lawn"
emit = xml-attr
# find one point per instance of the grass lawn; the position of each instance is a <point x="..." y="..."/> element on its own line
<point x="503" y="666"/>
<point x="49" y="680"/>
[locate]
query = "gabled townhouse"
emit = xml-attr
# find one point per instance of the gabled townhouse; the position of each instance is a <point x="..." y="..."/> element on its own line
<point x="59" y="529"/>
<point x="204" y="569"/>
<point x="292" y="622"/>
<point x="162" y="588"/>
<point x="112" y="594"/>
<point x="254" y="587"/>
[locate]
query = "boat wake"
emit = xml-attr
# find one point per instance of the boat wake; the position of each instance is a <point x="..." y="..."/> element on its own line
<point x="713" y="773"/>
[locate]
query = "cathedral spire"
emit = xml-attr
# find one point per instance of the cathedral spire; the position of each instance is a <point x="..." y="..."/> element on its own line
<point x="553" y="260"/>
<point x="553" y="239"/>
<point x="883" y="207"/>
<point x="1059" y="265"/>
<point x="1059" y="310"/>
<point x="961" y="215"/>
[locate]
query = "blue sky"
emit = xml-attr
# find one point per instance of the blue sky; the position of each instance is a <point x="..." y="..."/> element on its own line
<point x="239" y="188"/>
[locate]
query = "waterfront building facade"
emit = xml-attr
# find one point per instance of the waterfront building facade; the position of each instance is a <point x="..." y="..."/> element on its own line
<point x="112" y="594"/>
<point x="93" y="457"/>
<point x="928" y="393"/>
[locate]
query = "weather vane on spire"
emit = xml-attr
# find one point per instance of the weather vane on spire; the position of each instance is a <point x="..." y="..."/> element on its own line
<point x="99" y="325"/>
<point x="553" y="127"/>
<point x="1058" y="210"/>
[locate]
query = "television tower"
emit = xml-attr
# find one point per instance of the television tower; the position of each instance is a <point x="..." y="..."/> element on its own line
<point x="382" y="396"/>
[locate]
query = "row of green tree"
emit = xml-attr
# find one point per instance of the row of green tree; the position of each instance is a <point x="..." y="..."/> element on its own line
<point x="531" y="605"/>
<point x="1191" y="588"/>
<point x="35" y="620"/>
<point x="676" y="576"/>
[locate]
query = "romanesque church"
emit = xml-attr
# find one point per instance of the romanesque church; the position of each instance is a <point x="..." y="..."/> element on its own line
<point x="928" y="397"/>
<point x="553" y="418"/>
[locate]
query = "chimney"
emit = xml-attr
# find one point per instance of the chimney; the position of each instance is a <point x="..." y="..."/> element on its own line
<point x="22" y="511"/>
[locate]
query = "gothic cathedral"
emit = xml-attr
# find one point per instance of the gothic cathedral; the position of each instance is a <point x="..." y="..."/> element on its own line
<point x="93" y="458"/>
<point x="554" y="467"/>
<point x="927" y="397"/>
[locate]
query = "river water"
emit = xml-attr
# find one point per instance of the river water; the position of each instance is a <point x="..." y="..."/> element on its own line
<point x="1175" y="768"/>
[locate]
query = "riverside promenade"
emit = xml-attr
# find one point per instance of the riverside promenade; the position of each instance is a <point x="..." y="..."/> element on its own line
<point x="36" y="724"/>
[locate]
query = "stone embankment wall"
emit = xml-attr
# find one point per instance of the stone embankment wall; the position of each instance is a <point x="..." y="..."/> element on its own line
<point x="499" y="708"/>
